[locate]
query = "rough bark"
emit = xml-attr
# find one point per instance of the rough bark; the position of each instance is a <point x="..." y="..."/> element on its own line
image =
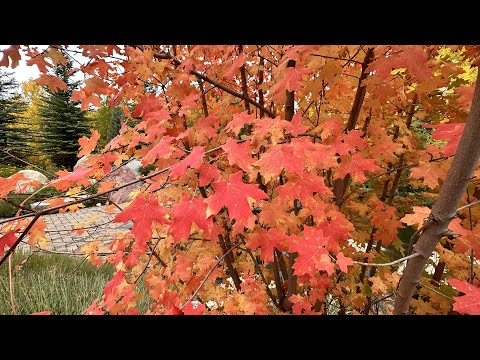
<point x="461" y="172"/>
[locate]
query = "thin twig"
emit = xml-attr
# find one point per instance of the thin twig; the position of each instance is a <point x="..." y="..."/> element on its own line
<point x="336" y="58"/>
<point x="148" y="262"/>
<point x="29" y="164"/>
<point x="210" y="273"/>
<point x="468" y="205"/>
<point x="260" y="273"/>
<point x="436" y="291"/>
<point x="389" y="263"/>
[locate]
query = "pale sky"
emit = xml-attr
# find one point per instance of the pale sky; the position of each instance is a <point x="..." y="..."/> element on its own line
<point x="23" y="72"/>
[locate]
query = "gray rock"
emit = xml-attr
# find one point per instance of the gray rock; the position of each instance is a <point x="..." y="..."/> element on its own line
<point x="39" y="205"/>
<point x="135" y="166"/>
<point x="81" y="161"/>
<point x="125" y="174"/>
<point x="31" y="175"/>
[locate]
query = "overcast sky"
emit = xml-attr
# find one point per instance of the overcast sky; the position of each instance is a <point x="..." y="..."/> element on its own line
<point x="22" y="71"/>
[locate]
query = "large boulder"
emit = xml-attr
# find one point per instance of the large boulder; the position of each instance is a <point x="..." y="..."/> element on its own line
<point x="31" y="175"/>
<point x="123" y="175"/>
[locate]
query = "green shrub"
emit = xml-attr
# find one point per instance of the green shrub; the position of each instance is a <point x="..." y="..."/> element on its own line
<point x="8" y="170"/>
<point x="7" y="210"/>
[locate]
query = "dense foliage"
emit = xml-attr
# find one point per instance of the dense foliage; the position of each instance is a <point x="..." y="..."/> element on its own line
<point x="282" y="176"/>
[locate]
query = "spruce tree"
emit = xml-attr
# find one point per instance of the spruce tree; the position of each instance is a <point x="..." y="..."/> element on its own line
<point x="114" y="124"/>
<point x="11" y="106"/>
<point x="62" y="121"/>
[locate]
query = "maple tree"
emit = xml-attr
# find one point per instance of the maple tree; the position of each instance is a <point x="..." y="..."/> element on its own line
<point x="283" y="177"/>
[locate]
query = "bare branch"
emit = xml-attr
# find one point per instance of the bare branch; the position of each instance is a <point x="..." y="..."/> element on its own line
<point x="210" y="273"/>
<point x="389" y="263"/>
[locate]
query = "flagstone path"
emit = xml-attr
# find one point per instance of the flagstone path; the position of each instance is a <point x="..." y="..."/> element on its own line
<point x="95" y="221"/>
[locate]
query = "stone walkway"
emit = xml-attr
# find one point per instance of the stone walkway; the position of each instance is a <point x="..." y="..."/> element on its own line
<point x="95" y="221"/>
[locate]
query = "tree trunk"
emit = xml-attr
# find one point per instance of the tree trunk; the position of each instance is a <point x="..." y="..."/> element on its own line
<point x="444" y="210"/>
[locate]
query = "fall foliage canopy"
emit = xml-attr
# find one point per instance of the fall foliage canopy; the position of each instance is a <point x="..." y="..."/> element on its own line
<point x="285" y="179"/>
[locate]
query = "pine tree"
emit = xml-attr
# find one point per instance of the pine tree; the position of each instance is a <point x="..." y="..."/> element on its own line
<point x="114" y="124"/>
<point x="63" y="123"/>
<point x="11" y="105"/>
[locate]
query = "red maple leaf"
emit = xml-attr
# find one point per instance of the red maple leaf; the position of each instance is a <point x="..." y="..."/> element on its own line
<point x="300" y="303"/>
<point x="314" y="155"/>
<point x="278" y="158"/>
<point x="194" y="160"/>
<point x="303" y="187"/>
<point x="274" y="128"/>
<point x="87" y="144"/>
<point x="66" y="179"/>
<point x="189" y="310"/>
<point x="239" y="154"/>
<point x="107" y="159"/>
<point x="208" y="173"/>
<point x="293" y="77"/>
<point x="447" y="132"/>
<point x="185" y="214"/>
<point x="343" y="262"/>
<point x="143" y="211"/>
<point x="155" y="118"/>
<point x="468" y="303"/>
<point x="234" y="194"/>
<point x="297" y="127"/>
<point x="7" y="240"/>
<point x="147" y="104"/>
<point x="267" y="241"/>
<point x="42" y="313"/>
<point x="239" y="121"/>
<point x="347" y="143"/>
<point x="237" y="64"/>
<point x="189" y="103"/>
<point x="356" y="165"/>
<point x="160" y="151"/>
<point x="312" y="254"/>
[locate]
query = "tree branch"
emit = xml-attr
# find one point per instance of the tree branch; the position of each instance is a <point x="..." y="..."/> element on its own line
<point x="210" y="273"/>
<point x="389" y="263"/>
<point x="168" y="56"/>
<point x="464" y="163"/>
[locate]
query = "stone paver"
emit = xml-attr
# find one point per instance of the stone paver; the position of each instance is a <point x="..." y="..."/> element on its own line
<point x="98" y="226"/>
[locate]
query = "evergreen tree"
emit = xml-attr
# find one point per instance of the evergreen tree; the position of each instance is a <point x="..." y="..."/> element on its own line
<point x="114" y="124"/>
<point x="11" y="106"/>
<point x="62" y="121"/>
<point x="106" y="121"/>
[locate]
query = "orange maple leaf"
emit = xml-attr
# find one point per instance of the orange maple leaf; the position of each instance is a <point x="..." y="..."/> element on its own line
<point x="87" y="145"/>
<point x="420" y="213"/>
